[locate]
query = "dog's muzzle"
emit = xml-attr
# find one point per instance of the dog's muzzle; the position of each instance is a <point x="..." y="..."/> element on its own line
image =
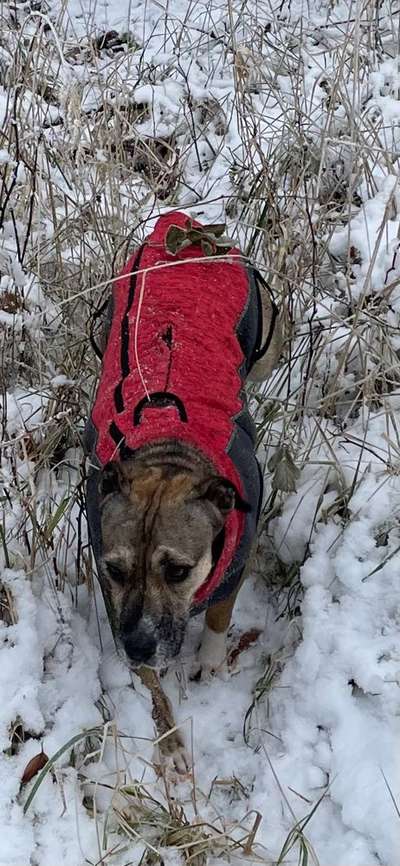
<point x="151" y="645"/>
<point x="140" y="647"/>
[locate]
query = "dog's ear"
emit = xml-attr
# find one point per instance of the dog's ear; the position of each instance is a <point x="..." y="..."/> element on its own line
<point x="222" y="494"/>
<point x="112" y="479"/>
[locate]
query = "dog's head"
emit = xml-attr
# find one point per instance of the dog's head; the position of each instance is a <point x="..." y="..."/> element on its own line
<point x="158" y="528"/>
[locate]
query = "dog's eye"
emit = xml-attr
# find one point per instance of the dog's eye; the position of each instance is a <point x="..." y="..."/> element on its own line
<point x="116" y="573"/>
<point x="176" y="573"/>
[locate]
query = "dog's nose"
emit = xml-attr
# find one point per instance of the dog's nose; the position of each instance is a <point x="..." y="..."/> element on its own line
<point x="140" y="647"/>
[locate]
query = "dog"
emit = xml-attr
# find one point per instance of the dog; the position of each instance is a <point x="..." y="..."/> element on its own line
<point x="174" y="488"/>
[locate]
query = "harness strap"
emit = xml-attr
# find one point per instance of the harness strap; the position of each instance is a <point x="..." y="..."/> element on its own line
<point x="159" y="400"/>
<point x="96" y="315"/>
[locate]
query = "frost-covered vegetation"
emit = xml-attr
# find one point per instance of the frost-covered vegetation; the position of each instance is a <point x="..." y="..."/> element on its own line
<point x="282" y="120"/>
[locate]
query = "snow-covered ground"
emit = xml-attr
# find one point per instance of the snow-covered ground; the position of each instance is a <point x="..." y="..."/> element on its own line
<point x="282" y="119"/>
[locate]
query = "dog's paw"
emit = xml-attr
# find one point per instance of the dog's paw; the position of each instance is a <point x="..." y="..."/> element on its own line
<point x="200" y="672"/>
<point x="172" y="760"/>
<point x="211" y="657"/>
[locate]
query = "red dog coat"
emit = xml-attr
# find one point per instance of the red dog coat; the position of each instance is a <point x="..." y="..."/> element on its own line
<point x="185" y="331"/>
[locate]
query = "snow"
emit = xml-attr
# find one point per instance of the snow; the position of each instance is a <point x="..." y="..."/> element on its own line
<point x="4" y="156"/>
<point x="227" y="91"/>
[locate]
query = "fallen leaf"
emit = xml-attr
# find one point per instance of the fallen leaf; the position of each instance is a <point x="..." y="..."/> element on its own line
<point x="175" y="239"/>
<point x="207" y="247"/>
<point x="285" y="472"/>
<point x="33" y="767"/>
<point x="245" y="641"/>
<point x="217" y="229"/>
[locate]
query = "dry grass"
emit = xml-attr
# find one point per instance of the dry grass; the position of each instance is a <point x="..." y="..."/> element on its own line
<point x="90" y="160"/>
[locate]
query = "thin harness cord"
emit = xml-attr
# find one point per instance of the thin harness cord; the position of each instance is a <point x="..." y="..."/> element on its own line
<point x="137" y="322"/>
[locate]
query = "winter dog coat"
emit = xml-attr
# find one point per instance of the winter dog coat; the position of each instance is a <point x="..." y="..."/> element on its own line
<point x="184" y="333"/>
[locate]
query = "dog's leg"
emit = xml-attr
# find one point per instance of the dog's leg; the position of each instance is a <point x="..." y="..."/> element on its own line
<point x="171" y="748"/>
<point x="211" y="657"/>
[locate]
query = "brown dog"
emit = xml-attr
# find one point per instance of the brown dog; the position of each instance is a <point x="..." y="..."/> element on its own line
<point x="174" y="492"/>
